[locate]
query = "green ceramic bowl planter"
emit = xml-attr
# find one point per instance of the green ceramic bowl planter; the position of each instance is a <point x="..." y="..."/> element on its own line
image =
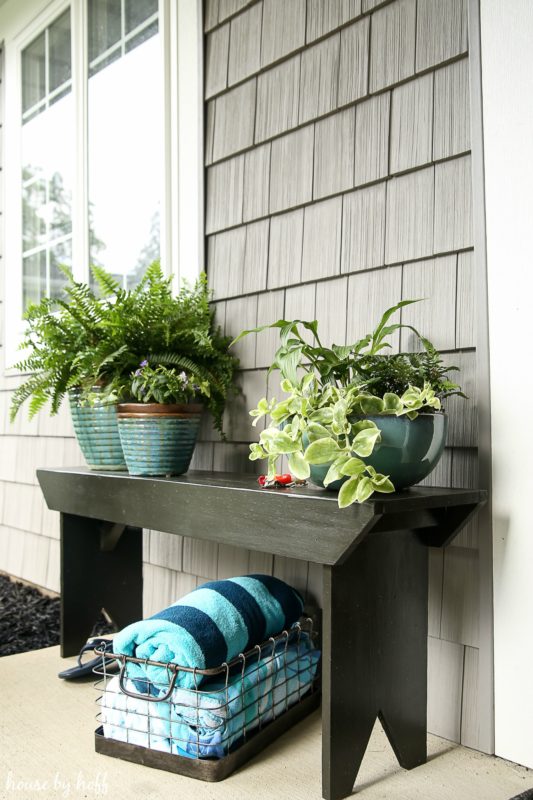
<point x="354" y="418"/>
<point x="138" y="366"/>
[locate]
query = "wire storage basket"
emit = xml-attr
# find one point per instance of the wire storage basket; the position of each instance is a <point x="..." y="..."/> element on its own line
<point x="232" y="712"/>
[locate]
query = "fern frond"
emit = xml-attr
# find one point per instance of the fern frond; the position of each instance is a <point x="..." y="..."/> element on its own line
<point x="105" y="282"/>
<point x="186" y="363"/>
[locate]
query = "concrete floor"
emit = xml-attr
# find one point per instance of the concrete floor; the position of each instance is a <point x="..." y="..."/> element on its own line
<point x="47" y="751"/>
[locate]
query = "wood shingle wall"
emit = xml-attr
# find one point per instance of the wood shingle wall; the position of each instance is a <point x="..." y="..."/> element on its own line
<point x="339" y="182"/>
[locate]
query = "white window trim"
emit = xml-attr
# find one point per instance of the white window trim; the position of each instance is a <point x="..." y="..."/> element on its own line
<point x="182" y="236"/>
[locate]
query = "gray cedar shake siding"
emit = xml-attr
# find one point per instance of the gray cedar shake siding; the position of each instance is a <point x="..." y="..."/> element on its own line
<point x="338" y="181"/>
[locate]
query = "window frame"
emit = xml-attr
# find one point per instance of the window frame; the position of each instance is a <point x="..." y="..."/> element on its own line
<point x="181" y="70"/>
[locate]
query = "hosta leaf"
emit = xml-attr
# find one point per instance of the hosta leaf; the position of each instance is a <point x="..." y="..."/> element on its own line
<point x="298" y="466"/>
<point x="322" y="451"/>
<point x="348" y="492"/>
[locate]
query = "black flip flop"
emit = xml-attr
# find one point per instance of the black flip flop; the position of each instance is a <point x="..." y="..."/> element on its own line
<point x="84" y="669"/>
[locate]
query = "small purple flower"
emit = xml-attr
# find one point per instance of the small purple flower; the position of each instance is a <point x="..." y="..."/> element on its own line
<point x="144" y="363"/>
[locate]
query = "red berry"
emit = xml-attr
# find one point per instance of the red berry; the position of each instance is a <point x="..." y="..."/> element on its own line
<point x="261" y="480"/>
<point x="284" y="479"/>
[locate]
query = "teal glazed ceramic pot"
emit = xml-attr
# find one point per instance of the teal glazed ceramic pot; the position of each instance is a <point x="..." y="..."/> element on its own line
<point x="409" y="449"/>
<point x="96" y="428"/>
<point x="158" y="439"/>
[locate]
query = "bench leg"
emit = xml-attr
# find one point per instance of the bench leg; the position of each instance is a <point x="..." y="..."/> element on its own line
<point x="374" y="656"/>
<point x="93" y="577"/>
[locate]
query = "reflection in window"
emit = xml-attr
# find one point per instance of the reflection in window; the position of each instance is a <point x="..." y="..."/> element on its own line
<point x="125" y="139"/>
<point x="48" y="160"/>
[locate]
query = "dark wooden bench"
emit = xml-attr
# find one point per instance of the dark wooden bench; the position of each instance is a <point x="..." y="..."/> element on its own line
<point x="375" y="573"/>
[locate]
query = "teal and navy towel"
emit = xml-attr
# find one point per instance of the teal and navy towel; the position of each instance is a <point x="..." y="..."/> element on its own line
<point x="210" y="626"/>
<point x="207" y="724"/>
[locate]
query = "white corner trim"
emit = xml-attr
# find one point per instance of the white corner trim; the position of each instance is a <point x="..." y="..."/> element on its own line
<point x="189" y="119"/>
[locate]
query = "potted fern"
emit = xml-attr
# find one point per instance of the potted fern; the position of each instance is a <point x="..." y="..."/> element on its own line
<point x="144" y="346"/>
<point x="355" y="418"/>
<point x="65" y="354"/>
<point x="169" y="362"/>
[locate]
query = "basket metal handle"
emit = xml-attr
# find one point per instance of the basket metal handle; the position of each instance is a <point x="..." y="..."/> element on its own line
<point x="140" y="695"/>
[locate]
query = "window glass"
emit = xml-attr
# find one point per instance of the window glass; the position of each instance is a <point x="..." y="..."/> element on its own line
<point x="125" y="149"/>
<point x="138" y="11"/>
<point x="47" y="160"/>
<point x="60" y="66"/>
<point x="104" y="26"/>
<point x="33" y="73"/>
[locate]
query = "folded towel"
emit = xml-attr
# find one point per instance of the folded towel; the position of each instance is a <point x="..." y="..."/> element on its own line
<point x="207" y="723"/>
<point x="210" y="626"/>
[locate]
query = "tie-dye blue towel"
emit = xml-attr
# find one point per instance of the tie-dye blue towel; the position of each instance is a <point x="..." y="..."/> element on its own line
<point x="209" y="626"/>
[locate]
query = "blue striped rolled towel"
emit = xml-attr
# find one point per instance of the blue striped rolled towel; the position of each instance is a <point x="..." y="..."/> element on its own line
<point x="209" y="626"/>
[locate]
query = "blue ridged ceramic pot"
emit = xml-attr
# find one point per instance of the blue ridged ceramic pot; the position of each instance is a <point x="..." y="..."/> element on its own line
<point x="158" y="439"/>
<point x="96" y="428"/>
<point x="409" y="449"/>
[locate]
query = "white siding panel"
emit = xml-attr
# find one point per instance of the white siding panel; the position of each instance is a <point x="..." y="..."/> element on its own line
<point x="445" y="688"/>
<point x="322" y="239"/>
<point x="363" y="229"/>
<point x="291" y="175"/>
<point x="453" y="205"/>
<point x="392" y="48"/>
<point x="441" y="31"/>
<point x="452" y="110"/>
<point x="434" y="281"/>
<point x="411" y="124"/>
<point x="283" y="28"/>
<point x="319" y="79"/>
<point x="353" y="71"/>
<point x="372" y="139"/>
<point x="334" y="154"/>
<point x="369" y="294"/>
<point x="331" y="301"/>
<point x="410" y="216"/>
<point x="285" y="254"/>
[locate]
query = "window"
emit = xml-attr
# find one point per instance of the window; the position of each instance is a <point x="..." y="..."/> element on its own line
<point x="47" y="160"/>
<point x="103" y="143"/>
<point x="125" y="146"/>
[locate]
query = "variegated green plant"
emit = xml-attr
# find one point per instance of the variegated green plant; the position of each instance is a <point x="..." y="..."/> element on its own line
<point x="330" y="391"/>
<point x="324" y="425"/>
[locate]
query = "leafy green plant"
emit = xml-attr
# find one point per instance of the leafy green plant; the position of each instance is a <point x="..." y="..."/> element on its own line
<point x="330" y="391"/>
<point x="101" y="340"/>
<point x="163" y="385"/>
<point x="63" y="348"/>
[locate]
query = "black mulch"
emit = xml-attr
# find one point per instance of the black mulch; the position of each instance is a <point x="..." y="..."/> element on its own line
<point x="28" y="619"/>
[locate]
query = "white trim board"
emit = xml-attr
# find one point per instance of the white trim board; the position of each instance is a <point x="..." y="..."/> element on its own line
<point x="507" y="75"/>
